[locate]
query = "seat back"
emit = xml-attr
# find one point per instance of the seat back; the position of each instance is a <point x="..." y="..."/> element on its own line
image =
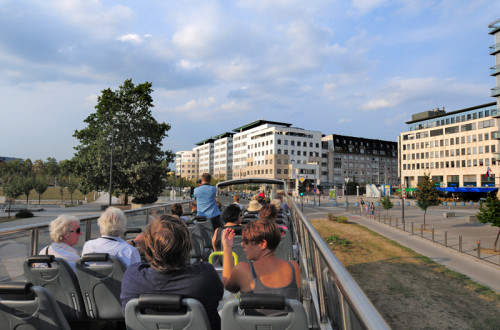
<point x="198" y="250"/>
<point x="285" y="247"/>
<point x="207" y="230"/>
<point x="60" y="280"/>
<point x="293" y="317"/>
<point x="100" y="276"/>
<point x="238" y="249"/>
<point x="27" y="307"/>
<point x="165" y="311"/>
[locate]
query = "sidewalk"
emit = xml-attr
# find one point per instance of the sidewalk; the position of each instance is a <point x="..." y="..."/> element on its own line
<point x="480" y="271"/>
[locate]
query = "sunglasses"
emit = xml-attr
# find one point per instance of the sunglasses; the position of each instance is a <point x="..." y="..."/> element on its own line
<point x="78" y="230"/>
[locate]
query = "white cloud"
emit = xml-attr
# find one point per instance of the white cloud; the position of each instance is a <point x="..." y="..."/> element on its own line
<point x="132" y="37"/>
<point x="194" y="105"/>
<point x="365" y="6"/>
<point x="344" y="120"/>
<point x="188" y="65"/>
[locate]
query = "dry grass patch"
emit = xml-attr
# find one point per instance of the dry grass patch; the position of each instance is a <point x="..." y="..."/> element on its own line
<point x="410" y="290"/>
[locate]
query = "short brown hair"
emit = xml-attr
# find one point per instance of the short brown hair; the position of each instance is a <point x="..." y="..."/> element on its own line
<point x="167" y="244"/>
<point x="260" y="230"/>
<point x="176" y="209"/>
<point x="206" y="177"/>
<point x="268" y="212"/>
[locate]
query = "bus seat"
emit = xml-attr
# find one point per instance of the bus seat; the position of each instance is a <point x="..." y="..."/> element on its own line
<point x="293" y="318"/>
<point x="285" y="248"/>
<point x="165" y="311"/>
<point x="60" y="281"/>
<point x="238" y="249"/>
<point x="28" y="307"/>
<point x="207" y="230"/>
<point x="100" y="276"/>
<point x="198" y="251"/>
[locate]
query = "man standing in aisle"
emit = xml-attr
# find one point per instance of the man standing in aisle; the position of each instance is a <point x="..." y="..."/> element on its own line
<point x="205" y="196"/>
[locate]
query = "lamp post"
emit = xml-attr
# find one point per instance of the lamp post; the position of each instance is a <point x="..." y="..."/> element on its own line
<point x="357" y="191"/>
<point x="111" y="160"/>
<point x="346" y="198"/>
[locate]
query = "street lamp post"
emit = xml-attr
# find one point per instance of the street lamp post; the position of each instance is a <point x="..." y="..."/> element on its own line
<point x="357" y="191"/>
<point x="111" y="161"/>
<point x="346" y="198"/>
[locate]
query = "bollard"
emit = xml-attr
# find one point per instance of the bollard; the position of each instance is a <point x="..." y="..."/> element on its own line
<point x="460" y="243"/>
<point x="404" y="225"/>
<point x="422" y="230"/>
<point x="397" y="222"/>
<point x="384" y="219"/>
<point x="412" y="228"/>
<point x="390" y="221"/>
<point x="479" y="249"/>
<point x="445" y="238"/>
<point x="432" y="234"/>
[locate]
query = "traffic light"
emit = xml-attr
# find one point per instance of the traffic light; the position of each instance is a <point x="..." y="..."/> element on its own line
<point x="302" y="189"/>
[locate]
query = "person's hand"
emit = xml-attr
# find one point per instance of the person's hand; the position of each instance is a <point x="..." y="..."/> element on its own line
<point x="227" y="238"/>
<point x="139" y="239"/>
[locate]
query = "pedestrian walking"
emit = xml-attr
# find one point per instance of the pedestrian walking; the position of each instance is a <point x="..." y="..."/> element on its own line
<point x="362" y="204"/>
<point x="372" y="210"/>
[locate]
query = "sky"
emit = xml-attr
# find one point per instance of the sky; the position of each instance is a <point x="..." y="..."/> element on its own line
<point x="359" y="68"/>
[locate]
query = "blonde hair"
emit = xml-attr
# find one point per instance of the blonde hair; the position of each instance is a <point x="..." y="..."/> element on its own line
<point x="112" y="222"/>
<point x="277" y="204"/>
<point x="61" y="227"/>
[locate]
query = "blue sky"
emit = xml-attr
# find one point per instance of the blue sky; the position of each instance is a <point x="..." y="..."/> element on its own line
<point x="358" y="68"/>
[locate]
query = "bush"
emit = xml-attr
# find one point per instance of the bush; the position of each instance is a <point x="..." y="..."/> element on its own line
<point x="342" y="243"/>
<point x="145" y="200"/>
<point x="340" y="219"/>
<point x="24" y="214"/>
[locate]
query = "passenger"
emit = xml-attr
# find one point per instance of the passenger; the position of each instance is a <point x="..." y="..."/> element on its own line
<point x="269" y="212"/>
<point x="254" y="206"/>
<point x="167" y="243"/>
<point x="236" y="199"/>
<point x="284" y="206"/>
<point x="207" y="204"/>
<point x="65" y="232"/>
<point x="112" y="224"/>
<point x="177" y="211"/>
<point x="261" y="198"/>
<point x="232" y="218"/>
<point x="193" y="208"/>
<point x="277" y="204"/>
<point x="265" y="273"/>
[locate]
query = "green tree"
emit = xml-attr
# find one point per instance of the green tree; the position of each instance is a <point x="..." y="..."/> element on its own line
<point x="27" y="183"/>
<point x="40" y="185"/>
<point x="386" y="203"/>
<point x="490" y="213"/>
<point x="426" y="194"/>
<point x="12" y="188"/>
<point x="51" y="168"/>
<point x="124" y="130"/>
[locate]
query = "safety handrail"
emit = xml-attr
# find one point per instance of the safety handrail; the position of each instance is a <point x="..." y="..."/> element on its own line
<point x="317" y="262"/>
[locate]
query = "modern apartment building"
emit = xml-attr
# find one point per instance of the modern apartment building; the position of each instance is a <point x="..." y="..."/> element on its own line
<point x="495" y="51"/>
<point x="459" y="149"/>
<point x="367" y="161"/>
<point x="186" y="164"/>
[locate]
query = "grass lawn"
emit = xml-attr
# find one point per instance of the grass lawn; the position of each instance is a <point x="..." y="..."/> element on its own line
<point x="410" y="290"/>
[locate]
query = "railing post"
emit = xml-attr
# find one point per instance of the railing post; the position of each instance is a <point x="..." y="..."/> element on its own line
<point x="390" y="221"/>
<point x="404" y="225"/>
<point x="446" y="238"/>
<point x="88" y="229"/>
<point x="460" y="243"/>
<point x="432" y="234"/>
<point x="320" y="288"/>
<point x="397" y="225"/>
<point x="421" y="230"/>
<point x="412" y="228"/>
<point x="479" y="249"/>
<point x="34" y="241"/>
<point x="147" y="216"/>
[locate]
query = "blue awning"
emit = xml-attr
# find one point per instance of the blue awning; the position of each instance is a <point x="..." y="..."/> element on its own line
<point x="467" y="189"/>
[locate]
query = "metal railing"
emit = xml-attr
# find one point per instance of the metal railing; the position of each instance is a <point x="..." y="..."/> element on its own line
<point x="331" y="296"/>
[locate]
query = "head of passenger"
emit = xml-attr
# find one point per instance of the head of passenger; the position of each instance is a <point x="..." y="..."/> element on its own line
<point x="254" y="206"/>
<point x="112" y="222"/>
<point x="277" y="204"/>
<point x="232" y="214"/>
<point x="206" y="178"/>
<point x="176" y="210"/>
<point x="261" y="231"/>
<point x="65" y="229"/>
<point x="268" y="212"/>
<point x="194" y="206"/>
<point x="236" y="198"/>
<point x="167" y="244"/>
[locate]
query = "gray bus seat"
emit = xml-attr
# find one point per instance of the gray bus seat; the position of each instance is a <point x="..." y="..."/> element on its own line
<point x="285" y="247"/>
<point x="207" y="230"/>
<point x="27" y="307"/>
<point x="101" y="285"/>
<point x="165" y="311"/>
<point x="60" y="280"/>
<point x="198" y="250"/>
<point x="293" y="317"/>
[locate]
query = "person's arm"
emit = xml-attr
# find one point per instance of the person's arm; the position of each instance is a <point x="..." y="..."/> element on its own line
<point x="229" y="271"/>
<point x="214" y="237"/>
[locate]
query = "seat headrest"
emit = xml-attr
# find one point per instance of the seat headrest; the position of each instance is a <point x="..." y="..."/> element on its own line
<point x="133" y="231"/>
<point x="15" y="287"/>
<point x="262" y="301"/>
<point x="158" y="300"/>
<point x="200" y="218"/>
<point x="95" y="257"/>
<point x="41" y="259"/>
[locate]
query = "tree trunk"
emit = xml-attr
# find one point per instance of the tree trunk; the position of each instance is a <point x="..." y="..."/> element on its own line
<point x="496" y="241"/>
<point x="125" y="200"/>
<point x="27" y="199"/>
<point x="425" y="212"/>
<point x="10" y="203"/>
<point x="39" y="199"/>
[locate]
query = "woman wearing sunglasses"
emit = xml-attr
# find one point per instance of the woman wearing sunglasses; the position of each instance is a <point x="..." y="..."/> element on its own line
<point x="265" y="273"/>
<point x="65" y="232"/>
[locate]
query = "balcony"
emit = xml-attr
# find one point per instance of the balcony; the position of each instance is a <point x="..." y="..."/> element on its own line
<point x="494" y="49"/>
<point x="495" y="135"/>
<point x="494" y="70"/>
<point x="496" y="156"/>
<point x="495" y="92"/>
<point x="494" y="27"/>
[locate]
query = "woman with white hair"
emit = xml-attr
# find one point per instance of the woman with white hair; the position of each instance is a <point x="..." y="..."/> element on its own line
<point x="64" y="231"/>
<point x="112" y="224"/>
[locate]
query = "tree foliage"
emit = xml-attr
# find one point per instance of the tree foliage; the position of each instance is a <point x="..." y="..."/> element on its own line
<point x="489" y="212"/>
<point x="123" y="128"/>
<point x="40" y="184"/>
<point x="386" y="203"/>
<point x="12" y="188"/>
<point x="426" y="194"/>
